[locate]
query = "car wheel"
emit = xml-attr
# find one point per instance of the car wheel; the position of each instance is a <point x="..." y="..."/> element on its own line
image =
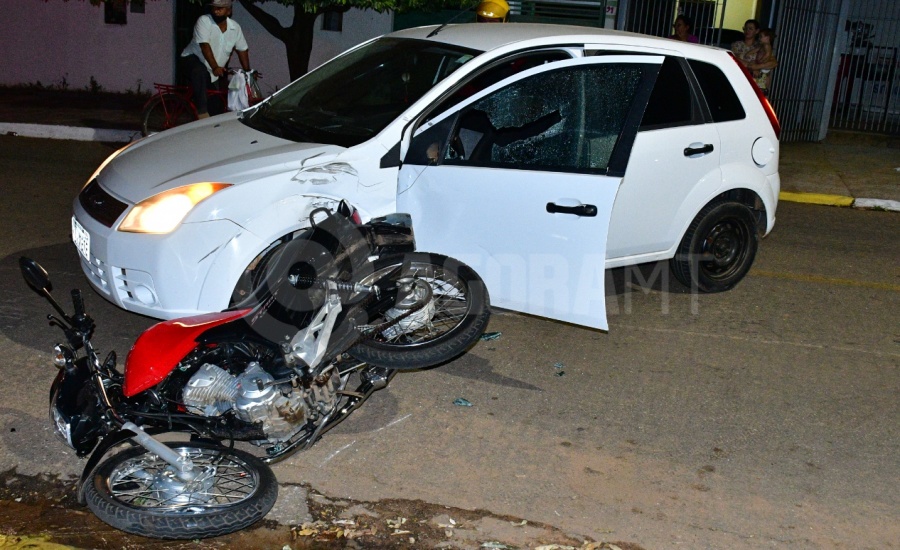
<point x="718" y="248"/>
<point x="252" y="276"/>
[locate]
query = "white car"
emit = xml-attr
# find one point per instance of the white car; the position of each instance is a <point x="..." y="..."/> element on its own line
<point x="540" y="155"/>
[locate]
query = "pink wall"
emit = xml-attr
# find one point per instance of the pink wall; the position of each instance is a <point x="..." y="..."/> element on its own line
<point x="54" y="41"/>
<point x="49" y="42"/>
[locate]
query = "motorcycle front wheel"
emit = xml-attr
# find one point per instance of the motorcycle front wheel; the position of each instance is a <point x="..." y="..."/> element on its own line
<point x="455" y="317"/>
<point x="137" y="492"/>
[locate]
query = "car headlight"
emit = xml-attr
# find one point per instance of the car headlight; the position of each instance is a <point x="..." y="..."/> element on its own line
<point x="162" y="213"/>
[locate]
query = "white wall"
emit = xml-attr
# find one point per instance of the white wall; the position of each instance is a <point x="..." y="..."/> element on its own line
<point x="54" y="42"/>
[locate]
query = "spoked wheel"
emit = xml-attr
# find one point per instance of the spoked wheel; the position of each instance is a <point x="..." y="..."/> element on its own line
<point x="718" y="248"/>
<point x="418" y="335"/>
<point x="139" y="493"/>
<point x="166" y="111"/>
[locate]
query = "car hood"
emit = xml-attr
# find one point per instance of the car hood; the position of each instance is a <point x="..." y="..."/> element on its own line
<point x="219" y="149"/>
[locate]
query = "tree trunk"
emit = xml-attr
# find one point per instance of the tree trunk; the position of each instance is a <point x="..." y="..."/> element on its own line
<point x="297" y="38"/>
<point x="298" y="42"/>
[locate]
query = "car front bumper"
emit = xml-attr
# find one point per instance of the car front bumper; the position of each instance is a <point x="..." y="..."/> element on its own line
<point x="165" y="276"/>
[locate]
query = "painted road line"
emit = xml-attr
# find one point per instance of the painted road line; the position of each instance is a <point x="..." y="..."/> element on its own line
<point x="816" y="198"/>
<point x="77" y="133"/>
<point x="824" y="280"/>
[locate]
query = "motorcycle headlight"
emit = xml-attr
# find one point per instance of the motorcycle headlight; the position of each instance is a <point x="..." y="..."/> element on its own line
<point x="163" y="212"/>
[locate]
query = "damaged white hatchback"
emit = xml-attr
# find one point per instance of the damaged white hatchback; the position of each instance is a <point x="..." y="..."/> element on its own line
<point x="540" y="155"/>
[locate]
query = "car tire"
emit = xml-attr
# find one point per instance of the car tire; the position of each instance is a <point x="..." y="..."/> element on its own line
<point x="718" y="248"/>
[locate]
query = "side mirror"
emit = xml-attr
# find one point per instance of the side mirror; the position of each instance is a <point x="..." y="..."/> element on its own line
<point x="35" y="275"/>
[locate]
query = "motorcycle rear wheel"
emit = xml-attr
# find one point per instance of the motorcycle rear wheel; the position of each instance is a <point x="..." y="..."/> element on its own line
<point x="461" y="309"/>
<point x="136" y="491"/>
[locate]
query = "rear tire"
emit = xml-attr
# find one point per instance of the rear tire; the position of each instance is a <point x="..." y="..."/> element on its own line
<point x="135" y="491"/>
<point x="718" y="248"/>
<point x="460" y="315"/>
<point x="159" y="116"/>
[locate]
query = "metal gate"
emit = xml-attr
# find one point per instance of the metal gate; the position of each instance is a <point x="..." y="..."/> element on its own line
<point x="802" y="85"/>
<point x="867" y="82"/>
<point x="655" y="17"/>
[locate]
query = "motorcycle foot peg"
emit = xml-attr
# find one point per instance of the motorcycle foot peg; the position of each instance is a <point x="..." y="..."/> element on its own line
<point x="376" y="377"/>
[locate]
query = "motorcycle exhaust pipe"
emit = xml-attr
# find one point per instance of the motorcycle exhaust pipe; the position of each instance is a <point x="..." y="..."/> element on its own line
<point x="183" y="465"/>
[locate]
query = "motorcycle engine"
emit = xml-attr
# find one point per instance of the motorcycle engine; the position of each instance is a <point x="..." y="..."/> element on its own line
<point x="254" y="397"/>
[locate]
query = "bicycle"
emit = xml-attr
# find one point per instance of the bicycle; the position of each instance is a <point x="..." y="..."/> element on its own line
<point x="172" y="105"/>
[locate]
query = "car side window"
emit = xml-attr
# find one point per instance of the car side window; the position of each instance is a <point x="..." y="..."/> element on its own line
<point x="497" y="72"/>
<point x="561" y="120"/>
<point x="723" y="103"/>
<point x="671" y="102"/>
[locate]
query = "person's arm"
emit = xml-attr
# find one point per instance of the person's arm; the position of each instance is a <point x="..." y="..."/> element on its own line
<point x="244" y="58"/>
<point x="769" y="63"/>
<point x="211" y="59"/>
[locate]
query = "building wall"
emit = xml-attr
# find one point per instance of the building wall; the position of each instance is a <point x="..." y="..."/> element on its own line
<point x="65" y="44"/>
<point x="738" y="11"/>
<point x="267" y="54"/>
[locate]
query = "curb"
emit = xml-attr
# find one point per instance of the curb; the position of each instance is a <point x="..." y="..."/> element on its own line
<point x="839" y="200"/>
<point x="77" y="133"/>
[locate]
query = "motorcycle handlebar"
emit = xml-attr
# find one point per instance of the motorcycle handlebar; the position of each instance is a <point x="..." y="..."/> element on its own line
<point x="78" y="302"/>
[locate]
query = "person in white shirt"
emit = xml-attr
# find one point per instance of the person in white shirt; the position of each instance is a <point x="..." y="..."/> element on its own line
<point x="204" y="59"/>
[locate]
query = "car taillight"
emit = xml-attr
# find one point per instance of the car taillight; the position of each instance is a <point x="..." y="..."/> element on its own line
<point x="767" y="107"/>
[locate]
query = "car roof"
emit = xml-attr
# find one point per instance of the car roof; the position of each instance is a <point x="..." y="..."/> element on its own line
<point x="486" y="37"/>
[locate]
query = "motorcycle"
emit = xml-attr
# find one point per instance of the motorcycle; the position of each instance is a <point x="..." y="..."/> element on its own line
<point x="334" y="314"/>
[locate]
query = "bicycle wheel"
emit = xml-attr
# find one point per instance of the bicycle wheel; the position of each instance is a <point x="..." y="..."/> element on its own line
<point x="166" y="111"/>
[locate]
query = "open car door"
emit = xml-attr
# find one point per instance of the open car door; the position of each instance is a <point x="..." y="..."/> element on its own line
<point x="518" y="180"/>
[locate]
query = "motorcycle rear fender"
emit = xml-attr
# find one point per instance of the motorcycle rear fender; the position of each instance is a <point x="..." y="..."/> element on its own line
<point x="160" y="348"/>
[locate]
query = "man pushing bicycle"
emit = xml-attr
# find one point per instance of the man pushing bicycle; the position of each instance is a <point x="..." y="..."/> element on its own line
<point x="204" y="59"/>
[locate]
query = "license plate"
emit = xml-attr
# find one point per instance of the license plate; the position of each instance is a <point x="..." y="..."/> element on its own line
<point x="82" y="239"/>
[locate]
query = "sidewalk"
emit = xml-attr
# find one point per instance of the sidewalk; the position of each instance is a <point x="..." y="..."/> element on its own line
<point x="847" y="169"/>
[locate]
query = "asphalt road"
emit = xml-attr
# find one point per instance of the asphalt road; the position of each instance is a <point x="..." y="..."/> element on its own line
<point x="766" y="416"/>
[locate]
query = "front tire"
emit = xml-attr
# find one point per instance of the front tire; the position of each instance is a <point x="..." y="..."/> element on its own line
<point x="455" y="318"/>
<point x="137" y="492"/>
<point x="166" y="111"/>
<point x="718" y="248"/>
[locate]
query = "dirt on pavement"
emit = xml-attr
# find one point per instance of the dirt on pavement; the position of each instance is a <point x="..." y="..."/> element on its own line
<point x="40" y="512"/>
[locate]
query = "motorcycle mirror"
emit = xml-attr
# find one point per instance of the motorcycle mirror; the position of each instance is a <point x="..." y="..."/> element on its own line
<point x="35" y="275"/>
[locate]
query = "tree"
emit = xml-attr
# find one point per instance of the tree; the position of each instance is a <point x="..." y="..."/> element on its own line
<point x="298" y="36"/>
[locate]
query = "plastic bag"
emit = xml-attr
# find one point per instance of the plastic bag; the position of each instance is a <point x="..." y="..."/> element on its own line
<point x="238" y="87"/>
<point x="254" y="96"/>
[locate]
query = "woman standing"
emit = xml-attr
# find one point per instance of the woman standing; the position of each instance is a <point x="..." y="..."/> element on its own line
<point x="745" y="50"/>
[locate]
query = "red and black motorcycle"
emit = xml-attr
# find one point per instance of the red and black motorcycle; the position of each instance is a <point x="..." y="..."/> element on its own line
<point x="335" y="313"/>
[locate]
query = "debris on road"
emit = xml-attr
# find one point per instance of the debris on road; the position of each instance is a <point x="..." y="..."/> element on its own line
<point x="460" y="402"/>
<point x="491" y="336"/>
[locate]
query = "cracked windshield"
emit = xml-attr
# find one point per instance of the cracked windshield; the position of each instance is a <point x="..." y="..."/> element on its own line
<point x="352" y="98"/>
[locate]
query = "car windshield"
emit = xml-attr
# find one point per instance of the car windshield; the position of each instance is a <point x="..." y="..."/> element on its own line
<point x="354" y="96"/>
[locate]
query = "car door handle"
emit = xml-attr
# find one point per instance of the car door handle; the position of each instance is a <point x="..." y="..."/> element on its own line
<point x="588" y="210"/>
<point x="691" y="151"/>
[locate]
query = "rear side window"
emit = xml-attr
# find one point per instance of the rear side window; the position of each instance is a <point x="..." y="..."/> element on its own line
<point x="670" y="103"/>
<point x="723" y="103"/>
